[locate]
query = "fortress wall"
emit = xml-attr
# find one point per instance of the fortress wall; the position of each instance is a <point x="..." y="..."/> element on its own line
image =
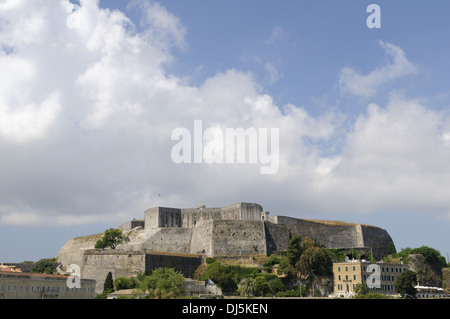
<point x="235" y="237"/>
<point x="277" y="237"/>
<point x="175" y="239"/>
<point x="332" y="236"/>
<point x="251" y="211"/>
<point x="73" y="251"/>
<point x="97" y="264"/>
<point x="126" y="227"/>
<point x="157" y="217"/>
<point x="378" y="239"/>
<point x="201" y="240"/>
<point x="184" y="264"/>
<point x="190" y="216"/>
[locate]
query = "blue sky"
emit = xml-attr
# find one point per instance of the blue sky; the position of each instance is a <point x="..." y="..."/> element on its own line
<point x="91" y="93"/>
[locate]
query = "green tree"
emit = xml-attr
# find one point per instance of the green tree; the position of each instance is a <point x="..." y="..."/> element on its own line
<point x="112" y="238"/>
<point x="162" y="283"/>
<point x="294" y="249"/>
<point x="261" y="286"/>
<point x="273" y="260"/>
<point x="285" y="268"/>
<point x="335" y="255"/>
<point x="405" y="283"/>
<point x="124" y="283"/>
<point x="432" y="256"/>
<point x="371" y="295"/>
<point x="247" y="287"/>
<point x="314" y="260"/>
<point x="44" y="266"/>
<point x="108" y="286"/>
<point x="362" y="290"/>
<point x="276" y="285"/>
<point x="221" y="276"/>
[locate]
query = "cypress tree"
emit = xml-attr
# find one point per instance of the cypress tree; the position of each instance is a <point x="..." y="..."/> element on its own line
<point x="109" y="283"/>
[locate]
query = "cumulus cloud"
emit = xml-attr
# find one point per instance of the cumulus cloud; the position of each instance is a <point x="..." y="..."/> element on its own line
<point x="87" y="109"/>
<point x="394" y="158"/>
<point x="396" y="66"/>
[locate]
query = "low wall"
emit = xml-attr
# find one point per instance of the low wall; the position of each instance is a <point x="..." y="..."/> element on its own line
<point x="186" y="264"/>
<point x="98" y="263"/>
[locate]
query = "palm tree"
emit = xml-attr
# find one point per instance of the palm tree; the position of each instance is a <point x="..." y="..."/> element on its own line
<point x="246" y="287"/>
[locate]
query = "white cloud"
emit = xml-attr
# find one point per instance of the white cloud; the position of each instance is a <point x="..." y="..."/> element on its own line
<point x="366" y="85"/>
<point x="277" y="34"/>
<point x="87" y="95"/>
<point x="272" y="73"/>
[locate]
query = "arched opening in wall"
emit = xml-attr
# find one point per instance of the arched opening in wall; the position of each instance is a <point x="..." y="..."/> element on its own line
<point x="364" y="257"/>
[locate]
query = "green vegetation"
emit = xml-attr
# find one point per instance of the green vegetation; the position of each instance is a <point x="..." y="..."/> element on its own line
<point x="307" y="257"/>
<point x="162" y="283"/>
<point x="108" y="286"/>
<point x="124" y="283"/>
<point x="432" y="256"/>
<point x="109" y="283"/>
<point x="429" y="268"/>
<point x="304" y="257"/>
<point x="405" y="283"/>
<point x="44" y="266"/>
<point x="371" y="295"/>
<point x="111" y="238"/>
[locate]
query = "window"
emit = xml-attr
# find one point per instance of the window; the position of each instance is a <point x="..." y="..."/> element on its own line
<point x="339" y="277"/>
<point x="354" y="277"/>
<point x="354" y="268"/>
<point x="346" y="268"/>
<point x="339" y="268"/>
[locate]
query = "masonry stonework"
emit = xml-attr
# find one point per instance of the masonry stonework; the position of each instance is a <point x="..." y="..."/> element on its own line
<point x="243" y="229"/>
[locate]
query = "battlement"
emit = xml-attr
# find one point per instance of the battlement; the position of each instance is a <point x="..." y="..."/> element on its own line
<point x="163" y="217"/>
<point x="239" y="230"/>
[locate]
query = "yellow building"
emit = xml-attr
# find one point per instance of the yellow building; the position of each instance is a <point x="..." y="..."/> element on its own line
<point x="20" y="285"/>
<point x="379" y="277"/>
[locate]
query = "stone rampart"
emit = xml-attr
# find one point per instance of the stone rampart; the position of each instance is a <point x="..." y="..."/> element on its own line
<point x="121" y="263"/>
<point x="128" y="226"/>
<point x="242" y="229"/>
<point x="73" y="251"/>
<point x="238" y="237"/>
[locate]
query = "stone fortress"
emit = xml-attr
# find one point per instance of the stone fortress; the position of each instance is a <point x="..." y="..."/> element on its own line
<point x="182" y="237"/>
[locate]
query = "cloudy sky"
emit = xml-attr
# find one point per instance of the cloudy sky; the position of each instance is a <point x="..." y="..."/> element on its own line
<point x="91" y="91"/>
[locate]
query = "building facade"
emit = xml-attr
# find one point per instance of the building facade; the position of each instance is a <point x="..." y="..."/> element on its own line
<point x="379" y="277"/>
<point x="20" y="285"/>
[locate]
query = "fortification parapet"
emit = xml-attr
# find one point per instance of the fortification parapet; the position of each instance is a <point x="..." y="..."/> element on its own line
<point x="242" y="229"/>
